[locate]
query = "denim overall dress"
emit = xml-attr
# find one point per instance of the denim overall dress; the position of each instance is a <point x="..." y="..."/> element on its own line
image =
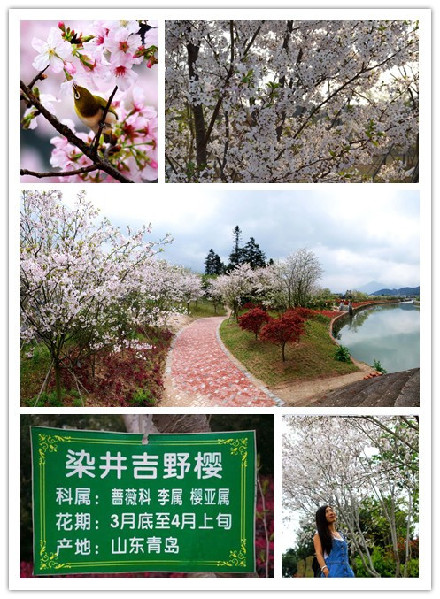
<point x="337" y="560"/>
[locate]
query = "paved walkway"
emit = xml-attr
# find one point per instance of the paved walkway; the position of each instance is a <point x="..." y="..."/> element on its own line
<point x="201" y="372"/>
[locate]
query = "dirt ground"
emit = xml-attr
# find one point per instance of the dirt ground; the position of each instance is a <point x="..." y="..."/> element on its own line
<point x="303" y="393"/>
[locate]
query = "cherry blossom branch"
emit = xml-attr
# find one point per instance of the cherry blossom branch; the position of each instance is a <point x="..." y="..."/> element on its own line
<point x="226" y="148"/>
<point x="95" y="142"/>
<point x="285" y="47"/>
<point x="171" y="163"/>
<point x="389" y="430"/>
<point x="85" y="148"/>
<point x="79" y="171"/>
<point x="217" y="107"/>
<point x="38" y="77"/>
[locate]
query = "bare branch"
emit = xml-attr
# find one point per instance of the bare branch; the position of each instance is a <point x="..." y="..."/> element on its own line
<point x="101" y="164"/>
<point x="102" y="122"/>
<point x="79" y="171"/>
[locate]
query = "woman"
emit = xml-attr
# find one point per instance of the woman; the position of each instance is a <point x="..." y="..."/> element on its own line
<point x="330" y="546"/>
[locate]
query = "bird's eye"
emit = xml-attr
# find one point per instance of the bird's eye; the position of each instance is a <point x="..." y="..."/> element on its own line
<point x="76" y="94"/>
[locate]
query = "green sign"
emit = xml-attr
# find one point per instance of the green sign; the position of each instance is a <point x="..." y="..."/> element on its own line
<point x="106" y="502"/>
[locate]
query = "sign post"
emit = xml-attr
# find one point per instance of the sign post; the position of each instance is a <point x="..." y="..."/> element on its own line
<point x="106" y="502"/>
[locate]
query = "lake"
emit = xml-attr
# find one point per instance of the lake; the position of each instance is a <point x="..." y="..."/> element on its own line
<point x="388" y="333"/>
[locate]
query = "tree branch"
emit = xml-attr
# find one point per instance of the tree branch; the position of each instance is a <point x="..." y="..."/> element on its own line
<point x="70" y="136"/>
<point x="79" y="171"/>
<point x="38" y="77"/>
<point x="285" y="47"/>
<point x="102" y="122"/>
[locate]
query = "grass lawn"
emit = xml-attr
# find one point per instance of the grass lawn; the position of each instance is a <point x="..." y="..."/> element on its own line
<point x="34" y="364"/>
<point x="311" y="358"/>
<point x="204" y="309"/>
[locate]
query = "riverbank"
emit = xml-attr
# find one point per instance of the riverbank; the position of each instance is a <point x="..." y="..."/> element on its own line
<point x="295" y="382"/>
<point x="397" y="389"/>
<point x="307" y="392"/>
<point x="357" y="307"/>
<point x="385" y="333"/>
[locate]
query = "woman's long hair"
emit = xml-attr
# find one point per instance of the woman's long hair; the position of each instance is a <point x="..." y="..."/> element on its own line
<point x="323" y="531"/>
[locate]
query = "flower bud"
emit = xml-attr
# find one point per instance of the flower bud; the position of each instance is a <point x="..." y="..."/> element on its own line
<point x="70" y="68"/>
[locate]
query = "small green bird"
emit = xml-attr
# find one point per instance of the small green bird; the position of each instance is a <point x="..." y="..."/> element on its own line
<point x="90" y="110"/>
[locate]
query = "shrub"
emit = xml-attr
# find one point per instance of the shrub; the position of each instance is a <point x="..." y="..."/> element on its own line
<point x="142" y="397"/>
<point x="49" y="398"/>
<point x="250" y="306"/>
<point x="383" y="564"/>
<point x="286" y="329"/>
<point x="321" y="318"/>
<point x="253" y="320"/>
<point x="378" y="367"/>
<point x="342" y="354"/>
<point x="304" y="313"/>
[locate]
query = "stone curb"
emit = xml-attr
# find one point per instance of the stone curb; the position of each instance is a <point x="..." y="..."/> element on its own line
<point x="256" y="382"/>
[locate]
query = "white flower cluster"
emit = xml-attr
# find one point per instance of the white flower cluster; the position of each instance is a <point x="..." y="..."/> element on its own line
<point x="290" y="100"/>
<point x="89" y="284"/>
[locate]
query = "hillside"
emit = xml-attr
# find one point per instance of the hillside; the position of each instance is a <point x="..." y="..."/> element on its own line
<point x="403" y="291"/>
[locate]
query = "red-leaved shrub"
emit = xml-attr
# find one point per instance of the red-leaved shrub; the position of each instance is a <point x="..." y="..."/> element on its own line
<point x="286" y="329"/>
<point x="253" y="320"/>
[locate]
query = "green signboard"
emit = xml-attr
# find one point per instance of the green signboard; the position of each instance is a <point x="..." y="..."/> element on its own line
<point x="106" y="502"/>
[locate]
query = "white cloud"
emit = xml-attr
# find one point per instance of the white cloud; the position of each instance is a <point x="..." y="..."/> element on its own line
<point x="360" y="232"/>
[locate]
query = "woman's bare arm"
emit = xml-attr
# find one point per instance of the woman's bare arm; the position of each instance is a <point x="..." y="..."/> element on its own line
<point x="319" y="555"/>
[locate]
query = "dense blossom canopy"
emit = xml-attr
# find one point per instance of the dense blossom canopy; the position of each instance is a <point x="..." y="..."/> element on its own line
<point x="347" y="462"/>
<point x="85" y="285"/>
<point x="281" y="101"/>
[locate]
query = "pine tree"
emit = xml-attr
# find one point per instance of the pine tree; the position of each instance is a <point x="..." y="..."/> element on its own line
<point x="236" y="256"/>
<point x="213" y="264"/>
<point x="253" y="255"/>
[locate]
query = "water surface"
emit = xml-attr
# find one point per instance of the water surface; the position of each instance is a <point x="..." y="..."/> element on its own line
<point x="388" y="333"/>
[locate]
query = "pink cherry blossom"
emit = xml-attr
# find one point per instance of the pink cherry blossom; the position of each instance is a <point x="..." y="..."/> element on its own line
<point x="100" y="31"/>
<point x="122" y="43"/>
<point x="99" y="56"/>
<point x="121" y="73"/>
<point x="151" y="37"/>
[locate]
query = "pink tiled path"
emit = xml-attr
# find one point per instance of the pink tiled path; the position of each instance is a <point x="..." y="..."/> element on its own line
<point x="202" y="373"/>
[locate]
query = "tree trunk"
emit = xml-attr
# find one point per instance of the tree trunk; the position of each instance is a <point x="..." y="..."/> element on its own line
<point x="197" y="110"/>
<point x="394" y="538"/>
<point x="391" y="517"/>
<point x="408" y="528"/>
<point x="57" y="369"/>
<point x="361" y="547"/>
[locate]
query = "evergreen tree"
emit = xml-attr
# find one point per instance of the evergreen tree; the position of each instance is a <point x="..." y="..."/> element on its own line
<point x="236" y="256"/>
<point x="213" y="264"/>
<point x="219" y="267"/>
<point x="237" y="237"/>
<point x="253" y="255"/>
